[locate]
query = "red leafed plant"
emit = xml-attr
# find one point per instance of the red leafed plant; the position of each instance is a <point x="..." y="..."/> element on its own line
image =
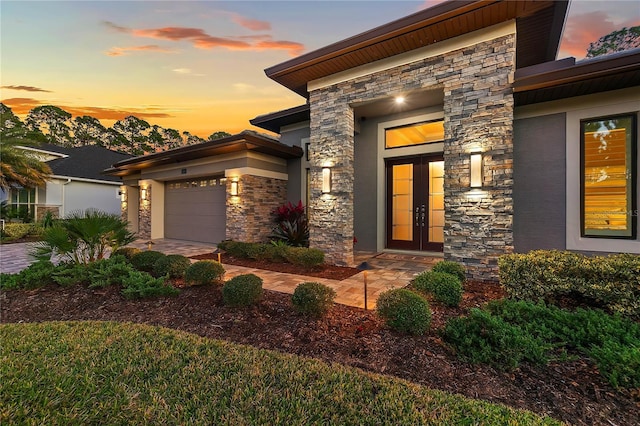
<point x="292" y="225"/>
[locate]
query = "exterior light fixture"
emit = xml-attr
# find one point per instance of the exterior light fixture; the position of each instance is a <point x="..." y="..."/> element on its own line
<point x="234" y="188"/>
<point x="143" y="194"/>
<point x="123" y="195"/>
<point x="399" y="99"/>
<point x="326" y="180"/>
<point x="476" y="170"/>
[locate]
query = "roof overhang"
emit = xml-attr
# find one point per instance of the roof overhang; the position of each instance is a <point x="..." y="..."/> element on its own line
<point x="245" y="141"/>
<point x="567" y="78"/>
<point x="539" y="29"/>
<point x="274" y="121"/>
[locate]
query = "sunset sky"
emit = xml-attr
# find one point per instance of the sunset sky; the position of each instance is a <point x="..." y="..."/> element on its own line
<point x="198" y="66"/>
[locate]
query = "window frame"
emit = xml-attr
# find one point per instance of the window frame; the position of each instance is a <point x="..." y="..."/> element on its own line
<point x="631" y="151"/>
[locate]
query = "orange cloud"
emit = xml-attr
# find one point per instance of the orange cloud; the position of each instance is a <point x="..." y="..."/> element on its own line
<point x="22" y="106"/>
<point x="201" y="40"/>
<point x="251" y="24"/>
<point x="121" y="51"/>
<point x="581" y="30"/>
<point x="26" y="88"/>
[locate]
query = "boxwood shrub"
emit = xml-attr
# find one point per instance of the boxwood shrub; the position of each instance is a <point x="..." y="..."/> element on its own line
<point x="450" y="267"/>
<point x="173" y="266"/>
<point x="127" y="252"/>
<point x="242" y="290"/>
<point x="203" y="272"/>
<point x="18" y="230"/>
<point x="404" y="310"/>
<point x="305" y="257"/>
<point x="313" y="298"/>
<point x="444" y="287"/>
<point x="612" y="281"/>
<point x="146" y="260"/>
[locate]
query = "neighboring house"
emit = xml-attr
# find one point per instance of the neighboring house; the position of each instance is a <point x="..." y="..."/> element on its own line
<point x="76" y="183"/>
<point x="451" y="130"/>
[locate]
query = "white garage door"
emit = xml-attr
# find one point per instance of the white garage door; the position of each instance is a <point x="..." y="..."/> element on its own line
<point x="195" y="210"/>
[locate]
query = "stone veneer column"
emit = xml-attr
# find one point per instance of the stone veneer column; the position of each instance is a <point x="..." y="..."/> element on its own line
<point x="478" y="114"/>
<point x="331" y="215"/>
<point x="144" y="212"/>
<point x="249" y="214"/>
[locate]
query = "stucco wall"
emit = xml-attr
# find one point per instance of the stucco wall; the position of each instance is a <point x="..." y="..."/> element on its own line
<point x="539" y="184"/>
<point x="84" y="195"/>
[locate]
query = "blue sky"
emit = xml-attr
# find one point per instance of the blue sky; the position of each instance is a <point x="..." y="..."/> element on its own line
<point x="198" y="66"/>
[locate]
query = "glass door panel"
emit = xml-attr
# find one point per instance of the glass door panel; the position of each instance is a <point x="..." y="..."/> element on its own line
<point x="402" y="199"/>
<point x="436" y="202"/>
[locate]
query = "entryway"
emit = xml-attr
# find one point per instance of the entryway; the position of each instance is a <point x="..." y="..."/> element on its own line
<point x="415" y="203"/>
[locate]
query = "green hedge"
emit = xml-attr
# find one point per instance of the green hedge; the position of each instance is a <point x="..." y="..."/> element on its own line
<point x="404" y="310"/>
<point x="16" y="231"/>
<point x="313" y="298"/>
<point x="611" y="281"/>
<point x="242" y="290"/>
<point x="203" y="272"/>
<point x="445" y="287"/>
<point x="303" y="256"/>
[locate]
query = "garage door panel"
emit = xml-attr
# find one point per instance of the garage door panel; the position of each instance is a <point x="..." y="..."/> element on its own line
<point x="195" y="213"/>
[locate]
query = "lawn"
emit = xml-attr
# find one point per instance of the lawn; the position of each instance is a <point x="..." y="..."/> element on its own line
<point x="114" y="373"/>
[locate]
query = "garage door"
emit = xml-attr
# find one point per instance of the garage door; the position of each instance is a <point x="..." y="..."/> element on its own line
<point x="195" y="210"/>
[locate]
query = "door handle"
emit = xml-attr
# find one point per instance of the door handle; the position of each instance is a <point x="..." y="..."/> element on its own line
<point x="417" y="216"/>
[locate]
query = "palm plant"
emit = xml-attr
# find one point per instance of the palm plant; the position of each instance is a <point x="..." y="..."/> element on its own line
<point x="84" y="237"/>
<point x="20" y="167"/>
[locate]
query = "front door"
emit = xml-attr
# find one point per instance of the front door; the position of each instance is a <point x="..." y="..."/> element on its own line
<point x="415" y="203"/>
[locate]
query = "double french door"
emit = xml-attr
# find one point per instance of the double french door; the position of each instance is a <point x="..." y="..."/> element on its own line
<point x="415" y="203"/>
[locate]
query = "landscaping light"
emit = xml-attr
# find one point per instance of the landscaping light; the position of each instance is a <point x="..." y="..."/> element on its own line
<point x="476" y="170"/>
<point x="234" y="188"/>
<point x="399" y="100"/>
<point x="326" y="180"/>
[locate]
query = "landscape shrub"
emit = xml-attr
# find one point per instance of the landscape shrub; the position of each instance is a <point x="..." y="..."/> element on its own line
<point x="611" y="281"/>
<point x="404" y="310"/>
<point x="242" y="290"/>
<point x="444" y="287"/>
<point x="276" y="251"/>
<point x="138" y="284"/>
<point x="305" y="257"/>
<point x="484" y="338"/>
<point x="203" y="272"/>
<point x="36" y="275"/>
<point x="235" y="248"/>
<point x="507" y="332"/>
<point x="450" y="267"/>
<point x="173" y="266"/>
<point x="292" y="226"/>
<point x="84" y="237"/>
<point x="16" y="231"/>
<point x="257" y="251"/>
<point x="127" y="252"/>
<point x="146" y="260"/>
<point x="313" y="298"/>
<point x="107" y="272"/>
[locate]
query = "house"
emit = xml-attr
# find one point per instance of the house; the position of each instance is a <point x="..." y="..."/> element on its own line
<point x="453" y="130"/>
<point x="76" y="183"/>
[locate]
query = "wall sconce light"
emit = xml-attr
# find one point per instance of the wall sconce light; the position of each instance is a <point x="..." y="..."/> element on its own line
<point x="123" y="195"/>
<point x="326" y="180"/>
<point x="143" y="194"/>
<point x="234" y="188"/>
<point x="476" y="170"/>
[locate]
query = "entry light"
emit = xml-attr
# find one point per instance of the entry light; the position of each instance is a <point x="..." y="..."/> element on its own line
<point x="476" y="170"/>
<point x="234" y="188"/>
<point x="143" y="194"/>
<point x="326" y="180"/>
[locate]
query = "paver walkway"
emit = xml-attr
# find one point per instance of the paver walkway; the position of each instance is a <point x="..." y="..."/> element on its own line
<point x="389" y="270"/>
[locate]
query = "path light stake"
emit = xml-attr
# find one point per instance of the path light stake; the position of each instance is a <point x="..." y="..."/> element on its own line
<point x="364" y="266"/>
<point x="149" y="245"/>
<point x="219" y="253"/>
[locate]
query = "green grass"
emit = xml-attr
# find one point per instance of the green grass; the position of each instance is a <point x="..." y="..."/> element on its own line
<point x="112" y="373"/>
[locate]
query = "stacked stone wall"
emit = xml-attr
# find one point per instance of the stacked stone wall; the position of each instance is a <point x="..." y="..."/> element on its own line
<point x="478" y="114"/>
<point x="144" y="211"/>
<point x="249" y="214"/>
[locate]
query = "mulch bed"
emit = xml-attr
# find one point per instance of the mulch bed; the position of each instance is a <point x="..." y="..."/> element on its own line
<point x="571" y="391"/>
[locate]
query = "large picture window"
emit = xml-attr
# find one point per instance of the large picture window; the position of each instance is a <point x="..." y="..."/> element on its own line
<point x="608" y="190"/>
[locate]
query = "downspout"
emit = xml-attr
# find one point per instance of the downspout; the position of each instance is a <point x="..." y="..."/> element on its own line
<point x="64" y="213"/>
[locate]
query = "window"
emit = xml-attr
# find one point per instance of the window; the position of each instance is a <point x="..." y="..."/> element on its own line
<point x="608" y="180"/>
<point x="23" y="203"/>
<point x="414" y="134"/>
